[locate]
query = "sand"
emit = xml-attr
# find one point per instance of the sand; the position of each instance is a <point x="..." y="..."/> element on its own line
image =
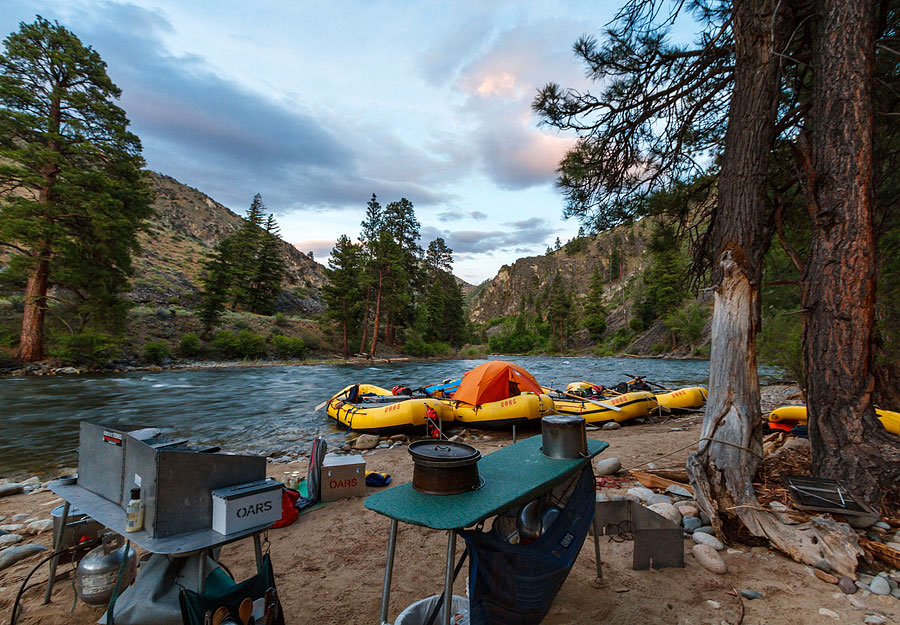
<point x="329" y="565"/>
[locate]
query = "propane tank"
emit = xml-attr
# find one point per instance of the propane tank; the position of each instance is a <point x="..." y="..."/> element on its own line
<point x="95" y="578"/>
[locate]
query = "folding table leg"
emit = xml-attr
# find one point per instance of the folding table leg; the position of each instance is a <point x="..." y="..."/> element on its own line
<point x="448" y="580"/>
<point x="202" y="572"/>
<point x="388" y="573"/>
<point x="57" y="545"/>
<point x="597" y="545"/>
<point x="257" y="549"/>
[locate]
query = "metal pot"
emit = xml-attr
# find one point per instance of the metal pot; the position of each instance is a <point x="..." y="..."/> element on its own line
<point x="444" y="467"/>
<point x="79" y="526"/>
<point x="564" y="437"/>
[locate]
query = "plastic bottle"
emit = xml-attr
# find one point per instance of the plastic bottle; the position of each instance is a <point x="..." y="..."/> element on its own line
<point x="286" y="479"/>
<point x="134" y="512"/>
<point x="295" y="480"/>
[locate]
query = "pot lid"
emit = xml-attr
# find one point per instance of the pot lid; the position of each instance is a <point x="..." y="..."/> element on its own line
<point x="448" y="451"/>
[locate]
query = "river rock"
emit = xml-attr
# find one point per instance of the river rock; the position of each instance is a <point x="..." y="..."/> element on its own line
<point x="857" y="602"/>
<point x="874" y="619"/>
<point x="12" y="527"/>
<point x="34" y="480"/>
<point x="751" y="594"/>
<point x="828" y="578"/>
<point x="715" y="605"/>
<point x="608" y="466"/>
<point x="706" y="529"/>
<point x="9" y="539"/>
<point x="706" y="539"/>
<point x="880" y="586"/>
<point x="611" y="425"/>
<point x="402" y="438"/>
<point x="690" y="523"/>
<point x="18" y="518"/>
<point x="39" y="527"/>
<point x="640" y="492"/>
<point x="19" y="552"/>
<point x="882" y="525"/>
<point x="666" y="510"/>
<point x="709" y="559"/>
<point x="846" y="585"/>
<point x="828" y="613"/>
<point x="11" y="489"/>
<point x="678" y="490"/>
<point x="689" y="511"/>
<point x="365" y="441"/>
<point x="655" y="499"/>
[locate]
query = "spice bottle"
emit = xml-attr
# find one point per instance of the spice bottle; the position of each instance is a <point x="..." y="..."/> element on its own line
<point x="134" y="512"/>
<point x="295" y="480"/>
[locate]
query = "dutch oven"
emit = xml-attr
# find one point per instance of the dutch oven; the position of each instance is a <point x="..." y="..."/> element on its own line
<point x="444" y="467"/>
<point x="564" y="436"/>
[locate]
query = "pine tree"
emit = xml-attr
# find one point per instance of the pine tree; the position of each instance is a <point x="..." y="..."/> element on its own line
<point x="342" y="291"/>
<point x="80" y="196"/>
<point x="594" y="310"/>
<point x="216" y="280"/>
<point x="244" y="251"/>
<point x="371" y="225"/>
<point x="269" y="270"/>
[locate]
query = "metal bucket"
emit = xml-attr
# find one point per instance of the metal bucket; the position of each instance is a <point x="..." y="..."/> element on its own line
<point x="445" y="467"/>
<point x="78" y="527"/>
<point x="564" y="437"/>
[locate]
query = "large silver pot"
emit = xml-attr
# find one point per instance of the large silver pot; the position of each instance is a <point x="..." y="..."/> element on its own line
<point x="564" y="436"/>
<point x="79" y="527"/>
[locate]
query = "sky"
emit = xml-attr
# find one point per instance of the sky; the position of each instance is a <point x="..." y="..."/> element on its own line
<point x="316" y="106"/>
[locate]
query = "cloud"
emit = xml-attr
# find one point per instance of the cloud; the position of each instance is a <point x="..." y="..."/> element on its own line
<point x="321" y="248"/>
<point x="477" y="215"/>
<point x="533" y="231"/>
<point x="525" y="224"/>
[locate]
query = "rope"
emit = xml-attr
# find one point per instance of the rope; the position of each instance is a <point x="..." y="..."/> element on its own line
<point x="705" y="438"/>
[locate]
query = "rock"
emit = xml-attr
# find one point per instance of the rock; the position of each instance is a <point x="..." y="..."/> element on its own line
<point x="689" y="511"/>
<point x="894" y="545"/>
<point x="882" y="525"/>
<point x="655" y="499"/>
<point x="9" y="539"/>
<point x="33" y="480"/>
<point x="676" y="429"/>
<point x="706" y="520"/>
<point x="706" y="539"/>
<point x="796" y="443"/>
<point x="857" y="602"/>
<point x="733" y="552"/>
<point x="402" y="438"/>
<point x="612" y="425"/>
<point x="709" y="559"/>
<point x="12" y="527"/>
<point x="19" y="552"/>
<point x="383" y="445"/>
<point x="608" y="466"/>
<point x="18" y="518"/>
<point x="640" y="492"/>
<point x="715" y="605"/>
<point x="865" y="578"/>
<point x="39" y="527"/>
<point x="828" y="578"/>
<point x="880" y="586"/>
<point x="366" y="441"/>
<point x="823" y="565"/>
<point x="706" y="529"/>
<point x="690" y="523"/>
<point x="666" y="510"/>
<point x="895" y="593"/>
<point x="829" y="613"/>
<point x="751" y="594"/>
<point x="874" y="619"/>
<point x="11" y="489"/>
<point x="846" y="585"/>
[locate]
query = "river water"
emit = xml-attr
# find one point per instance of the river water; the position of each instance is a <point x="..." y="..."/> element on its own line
<point x="265" y="410"/>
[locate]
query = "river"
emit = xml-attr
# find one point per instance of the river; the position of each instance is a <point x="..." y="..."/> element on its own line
<point x="265" y="410"/>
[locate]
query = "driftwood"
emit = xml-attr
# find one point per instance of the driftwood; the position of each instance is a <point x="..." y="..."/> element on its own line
<point x="656" y="481"/>
<point x="880" y="551"/>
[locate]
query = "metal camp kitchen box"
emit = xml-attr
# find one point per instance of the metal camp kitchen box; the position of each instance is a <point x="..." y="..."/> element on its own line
<point x="343" y="476"/>
<point x="241" y="507"/>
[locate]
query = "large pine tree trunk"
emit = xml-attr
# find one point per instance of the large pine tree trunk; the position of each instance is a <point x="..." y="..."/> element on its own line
<point x="848" y="443"/>
<point x="31" y="341"/>
<point x="377" y="313"/>
<point x="365" y="322"/>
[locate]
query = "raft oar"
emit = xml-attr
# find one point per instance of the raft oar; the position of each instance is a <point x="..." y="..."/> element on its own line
<point x="614" y="392"/>
<point x="635" y="378"/>
<point x="326" y="402"/>
<point x="580" y="398"/>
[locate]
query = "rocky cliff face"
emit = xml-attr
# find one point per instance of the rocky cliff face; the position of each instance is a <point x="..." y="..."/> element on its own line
<point x="188" y="224"/>
<point x="522" y="282"/>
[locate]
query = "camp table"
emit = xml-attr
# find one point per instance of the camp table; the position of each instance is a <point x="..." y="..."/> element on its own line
<point x="512" y="476"/>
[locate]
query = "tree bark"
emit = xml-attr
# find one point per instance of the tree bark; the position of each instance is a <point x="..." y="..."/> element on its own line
<point x="848" y="443"/>
<point x="365" y="322"/>
<point x="31" y="341"/>
<point x="377" y="313"/>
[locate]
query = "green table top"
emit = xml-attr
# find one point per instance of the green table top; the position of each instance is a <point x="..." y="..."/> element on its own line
<point x="512" y="476"/>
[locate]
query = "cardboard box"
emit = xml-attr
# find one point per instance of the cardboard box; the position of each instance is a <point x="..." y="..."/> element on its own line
<point x="342" y="477"/>
<point x="244" y="506"/>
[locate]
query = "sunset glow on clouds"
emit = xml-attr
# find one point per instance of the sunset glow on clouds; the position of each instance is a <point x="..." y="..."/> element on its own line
<point x="316" y="107"/>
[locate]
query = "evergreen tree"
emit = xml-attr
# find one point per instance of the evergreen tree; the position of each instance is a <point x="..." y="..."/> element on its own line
<point x="244" y="252"/>
<point x="561" y="313"/>
<point x="371" y="225"/>
<point x="216" y="280"/>
<point x="269" y="270"/>
<point x="72" y="193"/>
<point x="342" y="292"/>
<point x="594" y="310"/>
<point x="400" y="291"/>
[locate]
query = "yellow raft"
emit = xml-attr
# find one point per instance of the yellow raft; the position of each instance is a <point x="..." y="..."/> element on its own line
<point x="383" y="417"/>
<point x="797" y="414"/>
<point x="631" y="405"/>
<point x="688" y="398"/>
<point x="503" y="413"/>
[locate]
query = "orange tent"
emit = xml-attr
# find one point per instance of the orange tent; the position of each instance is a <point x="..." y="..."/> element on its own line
<point x="493" y="381"/>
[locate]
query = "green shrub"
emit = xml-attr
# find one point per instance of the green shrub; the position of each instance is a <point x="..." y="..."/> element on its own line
<point x="288" y="346"/>
<point x="621" y="339"/>
<point x="282" y="320"/>
<point x="241" y="324"/>
<point x="473" y="351"/>
<point x="311" y="339"/>
<point x="779" y="344"/>
<point x="87" y="348"/>
<point x="243" y="344"/>
<point x="416" y="346"/>
<point x="156" y="352"/>
<point x="687" y="322"/>
<point x="190" y="345"/>
<point x="8" y="337"/>
<point x="659" y="348"/>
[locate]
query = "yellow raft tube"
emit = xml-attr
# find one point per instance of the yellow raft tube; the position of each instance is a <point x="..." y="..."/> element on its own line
<point x="503" y="413"/>
<point x="797" y="414"/>
<point x="631" y="406"/>
<point x="383" y="417"/>
<point x="689" y="398"/>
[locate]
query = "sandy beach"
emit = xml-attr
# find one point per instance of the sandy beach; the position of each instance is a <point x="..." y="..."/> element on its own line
<point x="329" y="565"/>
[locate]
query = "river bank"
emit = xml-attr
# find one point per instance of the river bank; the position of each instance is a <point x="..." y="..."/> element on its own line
<point x="330" y="563"/>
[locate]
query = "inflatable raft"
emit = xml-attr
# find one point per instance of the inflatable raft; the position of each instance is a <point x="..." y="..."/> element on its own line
<point x="797" y="414"/>
<point x="377" y="410"/>
<point x="502" y="413"/>
<point x="631" y="406"/>
<point x="689" y="398"/>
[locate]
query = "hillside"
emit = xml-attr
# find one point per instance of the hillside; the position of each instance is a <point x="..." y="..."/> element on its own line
<point x="188" y="225"/>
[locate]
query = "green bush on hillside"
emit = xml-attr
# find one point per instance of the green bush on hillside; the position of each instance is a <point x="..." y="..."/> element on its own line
<point x="190" y="345"/>
<point x="156" y="352"/>
<point x="288" y="346"/>
<point x="244" y="344"/>
<point x="779" y="344"/>
<point x="87" y="348"/>
<point x="687" y="322"/>
<point x="415" y="345"/>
